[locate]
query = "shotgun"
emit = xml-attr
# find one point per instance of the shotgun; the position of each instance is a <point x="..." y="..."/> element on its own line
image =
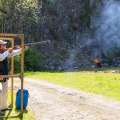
<point x="27" y="45"/>
<point x="37" y="43"/>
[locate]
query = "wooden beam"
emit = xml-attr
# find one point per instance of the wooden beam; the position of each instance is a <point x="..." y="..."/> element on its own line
<point x="12" y="78"/>
<point x="6" y="76"/>
<point x="22" y="71"/>
<point x="6" y="38"/>
<point x="8" y="35"/>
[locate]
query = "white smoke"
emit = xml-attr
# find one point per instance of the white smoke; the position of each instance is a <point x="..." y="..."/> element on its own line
<point x="69" y="64"/>
<point x="108" y="26"/>
<point x="106" y="39"/>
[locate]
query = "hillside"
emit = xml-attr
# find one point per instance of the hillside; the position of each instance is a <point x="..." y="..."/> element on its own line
<point x="79" y="30"/>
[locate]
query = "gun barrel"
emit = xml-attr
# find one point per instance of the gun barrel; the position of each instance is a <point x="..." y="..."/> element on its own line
<point x="36" y="43"/>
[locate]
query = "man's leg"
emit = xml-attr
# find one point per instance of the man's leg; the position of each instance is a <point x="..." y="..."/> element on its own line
<point x="4" y="93"/>
<point x="1" y="99"/>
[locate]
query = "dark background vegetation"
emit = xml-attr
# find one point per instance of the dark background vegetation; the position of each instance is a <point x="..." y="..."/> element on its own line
<point x="68" y="24"/>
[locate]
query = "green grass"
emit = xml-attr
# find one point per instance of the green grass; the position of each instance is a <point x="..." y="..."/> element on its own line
<point x="103" y="82"/>
<point x="28" y="115"/>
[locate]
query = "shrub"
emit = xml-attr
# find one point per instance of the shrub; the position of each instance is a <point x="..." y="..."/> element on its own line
<point x="33" y="61"/>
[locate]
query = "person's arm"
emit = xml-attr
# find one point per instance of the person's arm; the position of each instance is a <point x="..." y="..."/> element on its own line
<point x="4" y="55"/>
<point x="15" y="52"/>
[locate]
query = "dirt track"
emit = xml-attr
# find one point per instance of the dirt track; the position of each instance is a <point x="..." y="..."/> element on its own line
<point x="52" y="102"/>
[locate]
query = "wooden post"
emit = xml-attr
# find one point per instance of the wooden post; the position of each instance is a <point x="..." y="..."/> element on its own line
<point x="12" y="73"/>
<point x="22" y="71"/>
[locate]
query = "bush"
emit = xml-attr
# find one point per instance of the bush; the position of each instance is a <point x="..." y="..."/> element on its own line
<point x="33" y="61"/>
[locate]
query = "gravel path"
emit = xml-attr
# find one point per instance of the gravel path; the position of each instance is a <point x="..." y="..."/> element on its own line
<point x="52" y="102"/>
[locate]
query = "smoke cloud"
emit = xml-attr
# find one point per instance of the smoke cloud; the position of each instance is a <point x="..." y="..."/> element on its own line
<point x="106" y="38"/>
<point x="108" y="26"/>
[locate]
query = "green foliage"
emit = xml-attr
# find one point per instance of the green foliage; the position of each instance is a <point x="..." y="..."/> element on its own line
<point x="86" y="15"/>
<point x="33" y="61"/>
<point x="20" y="14"/>
<point x="17" y="64"/>
<point x="50" y="3"/>
<point x="63" y="22"/>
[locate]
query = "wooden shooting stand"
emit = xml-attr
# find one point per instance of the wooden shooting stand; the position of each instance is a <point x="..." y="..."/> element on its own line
<point x="12" y="38"/>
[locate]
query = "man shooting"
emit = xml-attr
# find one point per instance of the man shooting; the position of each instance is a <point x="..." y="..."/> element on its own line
<point x="5" y="53"/>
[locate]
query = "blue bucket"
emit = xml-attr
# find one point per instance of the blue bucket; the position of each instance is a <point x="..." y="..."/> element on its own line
<point x="25" y="99"/>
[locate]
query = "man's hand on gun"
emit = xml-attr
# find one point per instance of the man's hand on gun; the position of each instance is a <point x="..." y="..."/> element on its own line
<point x="1" y="78"/>
<point x="10" y="50"/>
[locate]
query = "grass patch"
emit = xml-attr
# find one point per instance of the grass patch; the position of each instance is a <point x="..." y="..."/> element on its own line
<point x="103" y="82"/>
<point x="28" y="115"/>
